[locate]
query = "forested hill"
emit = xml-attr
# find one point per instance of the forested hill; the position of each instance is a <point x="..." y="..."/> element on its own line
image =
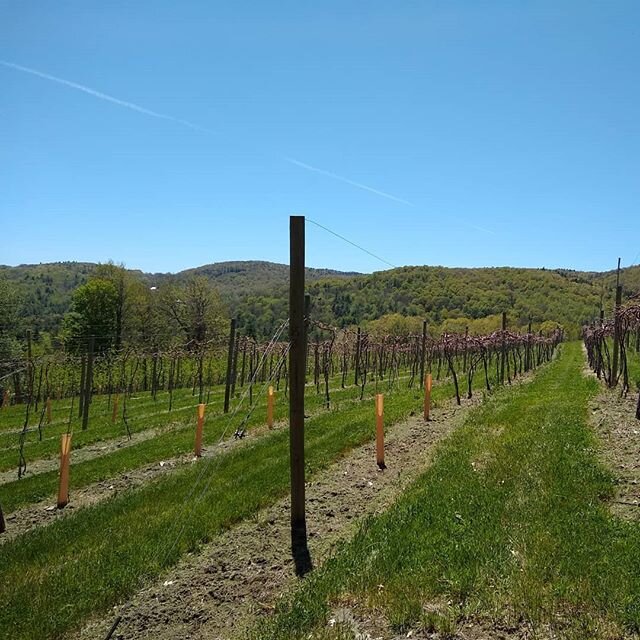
<point x="257" y="293"/>
<point x="45" y="289"/>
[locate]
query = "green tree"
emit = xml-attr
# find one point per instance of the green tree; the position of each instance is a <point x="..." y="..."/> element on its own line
<point x="9" y="346"/>
<point x="195" y="310"/>
<point x="93" y="313"/>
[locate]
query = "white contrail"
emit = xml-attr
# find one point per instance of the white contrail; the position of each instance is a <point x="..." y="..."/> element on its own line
<point x="484" y="229"/>
<point x="104" y="96"/>
<point x="335" y="176"/>
<point x="186" y="123"/>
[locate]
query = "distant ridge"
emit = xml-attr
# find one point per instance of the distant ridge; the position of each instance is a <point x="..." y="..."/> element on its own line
<point x="256" y="292"/>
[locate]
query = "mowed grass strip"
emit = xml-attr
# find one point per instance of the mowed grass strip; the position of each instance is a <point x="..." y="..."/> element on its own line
<point x="55" y="577"/>
<point x="508" y="525"/>
<point x="143" y="413"/>
<point x="177" y="440"/>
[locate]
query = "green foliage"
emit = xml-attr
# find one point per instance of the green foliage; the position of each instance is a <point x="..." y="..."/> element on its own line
<point x="9" y="308"/>
<point x="256" y="294"/>
<point x="93" y="313"/>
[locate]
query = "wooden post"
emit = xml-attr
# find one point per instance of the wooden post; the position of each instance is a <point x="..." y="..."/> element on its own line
<point x="428" y="383"/>
<point x="357" y="363"/>
<point x="199" y="429"/>
<point x="380" y="431"/>
<point x="65" y="454"/>
<point x="88" y="385"/>
<point x="6" y="399"/>
<point x="297" y="357"/>
<point x="232" y="342"/>
<point x="270" y="402"/>
<point x="616" y="339"/>
<point x="423" y="349"/>
<point x="503" y="357"/>
<point x="3" y="526"/>
<point x="30" y="368"/>
<point x="48" y="405"/>
<point x="83" y="374"/>
<point x="114" y="409"/>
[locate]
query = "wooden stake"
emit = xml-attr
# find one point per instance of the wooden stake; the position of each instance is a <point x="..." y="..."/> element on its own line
<point x="423" y="348"/>
<point x="297" y="362"/>
<point x="270" y="403"/>
<point x="88" y="384"/>
<point x="65" y="454"/>
<point x="199" y="427"/>
<point x="114" y="409"/>
<point x="428" y="383"/>
<point x="232" y="342"/>
<point x="380" y="431"/>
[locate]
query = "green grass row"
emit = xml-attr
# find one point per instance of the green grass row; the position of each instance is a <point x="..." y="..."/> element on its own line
<point x="508" y="525"/>
<point x="142" y="410"/>
<point x="56" y="577"/>
<point x="176" y="440"/>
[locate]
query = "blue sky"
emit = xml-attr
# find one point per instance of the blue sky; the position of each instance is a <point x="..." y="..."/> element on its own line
<point x="455" y="133"/>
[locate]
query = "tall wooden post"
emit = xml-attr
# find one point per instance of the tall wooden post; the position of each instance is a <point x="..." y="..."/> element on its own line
<point x="428" y="382"/>
<point x="380" y="431"/>
<point x="232" y="341"/>
<point x="270" y="403"/>
<point x="423" y="349"/>
<point x="30" y="367"/>
<point x="616" y="331"/>
<point x="357" y="363"/>
<point x="83" y="375"/>
<point x="504" y="347"/>
<point x="199" y="429"/>
<point x="297" y="356"/>
<point x="88" y="385"/>
<point x="615" y="365"/>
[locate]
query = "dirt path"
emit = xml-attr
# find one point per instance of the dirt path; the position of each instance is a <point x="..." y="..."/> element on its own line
<point x="614" y="420"/>
<point x="238" y="577"/>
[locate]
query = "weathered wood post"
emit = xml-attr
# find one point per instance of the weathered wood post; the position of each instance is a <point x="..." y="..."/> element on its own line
<point x="503" y="356"/>
<point x="380" y="431"/>
<point x="428" y="382"/>
<point x="615" y="366"/>
<point x="83" y="375"/>
<point x="63" y="486"/>
<point x="30" y="367"/>
<point x="88" y="384"/>
<point x="423" y="349"/>
<point x="297" y="357"/>
<point x="227" y="389"/>
<point x="357" y="362"/>
<point x="199" y="430"/>
<point x="270" y="403"/>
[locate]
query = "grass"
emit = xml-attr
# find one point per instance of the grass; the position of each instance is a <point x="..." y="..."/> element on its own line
<point x="508" y="525"/>
<point x="176" y="440"/>
<point x="57" y="576"/>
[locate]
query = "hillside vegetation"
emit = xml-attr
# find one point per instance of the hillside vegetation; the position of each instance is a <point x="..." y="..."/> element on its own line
<point x="256" y="292"/>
